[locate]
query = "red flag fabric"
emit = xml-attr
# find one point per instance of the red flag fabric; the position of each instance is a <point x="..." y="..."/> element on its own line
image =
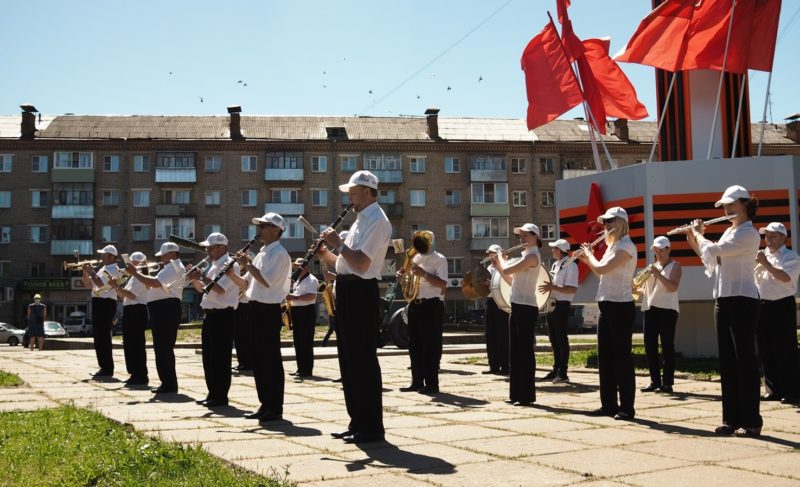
<point x="589" y="229"/>
<point x="571" y="42"/>
<point x="561" y="8"/>
<point x="687" y="34"/>
<point x="617" y="92"/>
<point x="549" y="81"/>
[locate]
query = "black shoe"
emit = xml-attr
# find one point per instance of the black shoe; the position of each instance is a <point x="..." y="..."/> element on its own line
<point x="164" y="390"/>
<point x="748" y="432"/>
<point x="650" y="388"/>
<point x="296" y="372"/>
<point x="523" y="403"/>
<point x="665" y="389"/>
<point x="623" y="416"/>
<point x="103" y="373"/>
<point x="256" y="414"/>
<point x="364" y="438"/>
<point x="504" y="372"/>
<point x="550" y="375"/>
<point x="343" y="434"/>
<point x="599" y="412"/>
<point x="270" y="416"/>
<point x="509" y="401"/>
<point x="411" y="388"/>
<point x="490" y="371"/>
<point x="558" y="379"/>
<point x="216" y="403"/>
<point x="725" y="429"/>
<point x="770" y="397"/>
<point x="137" y="381"/>
<point x="202" y="402"/>
<point x="429" y="390"/>
<point x="790" y="400"/>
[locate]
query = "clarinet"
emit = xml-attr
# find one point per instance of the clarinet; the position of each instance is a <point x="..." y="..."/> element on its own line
<point x="315" y="248"/>
<point x="227" y="265"/>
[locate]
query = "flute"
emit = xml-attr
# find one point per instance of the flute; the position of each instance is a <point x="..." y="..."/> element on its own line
<point x="688" y="227"/>
<point x="572" y="258"/>
<point x="506" y="251"/>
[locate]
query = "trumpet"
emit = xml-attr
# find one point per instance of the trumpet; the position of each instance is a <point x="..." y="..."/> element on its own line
<point x="76" y="266"/>
<point x="572" y="258"/>
<point x="124" y="277"/>
<point x="504" y="251"/>
<point x="638" y="281"/>
<point x="203" y="265"/>
<point x="688" y="227"/>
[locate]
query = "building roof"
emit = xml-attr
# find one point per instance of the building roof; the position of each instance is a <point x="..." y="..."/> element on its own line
<point x="10" y="125"/>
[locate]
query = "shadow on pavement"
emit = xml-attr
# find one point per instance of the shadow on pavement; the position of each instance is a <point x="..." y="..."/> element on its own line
<point x="286" y="427"/>
<point x="456" y="372"/>
<point x="385" y="455"/>
<point x="572" y="387"/>
<point x="455" y="400"/>
<point x="171" y="398"/>
<point x="226" y="411"/>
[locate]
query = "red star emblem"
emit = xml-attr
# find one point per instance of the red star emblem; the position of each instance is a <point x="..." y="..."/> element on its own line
<point x="588" y="230"/>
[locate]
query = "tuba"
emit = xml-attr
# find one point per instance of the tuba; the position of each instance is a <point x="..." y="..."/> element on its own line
<point x="421" y="243"/>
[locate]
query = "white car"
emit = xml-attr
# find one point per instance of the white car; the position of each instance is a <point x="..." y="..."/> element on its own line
<point x="53" y="329"/>
<point x="78" y="324"/>
<point x="11" y="334"/>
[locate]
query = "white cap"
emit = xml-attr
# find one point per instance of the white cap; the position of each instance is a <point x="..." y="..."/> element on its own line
<point x="774" y="227"/>
<point x="167" y="247"/>
<point x="732" y="194"/>
<point x="360" y="178"/>
<point x="273" y="218"/>
<point x="138" y="256"/>
<point x="661" y="243"/>
<point x="614" y="212"/>
<point x="108" y="249"/>
<point x="527" y="227"/>
<point x="494" y="248"/>
<point x="562" y="245"/>
<point x="215" y="238"/>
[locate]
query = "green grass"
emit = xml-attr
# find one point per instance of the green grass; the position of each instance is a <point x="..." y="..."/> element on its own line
<point x="70" y="446"/>
<point x="9" y="380"/>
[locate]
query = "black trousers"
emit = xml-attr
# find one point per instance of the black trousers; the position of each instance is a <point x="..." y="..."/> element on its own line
<point x="103" y="311"/>
<point x="522" y="322"/>
<point x="134" y="322"/>
<point x="777" y="346"/>
<point x="557" y="322"/>
<point x="242" y="336"/>
<point x="265" y="322"/>
<point x="496" y="324"/>
<point x="614" y="335"/>
<point x="217" y="342"/>
<point x="660" y="322"/>
<point x="425" y="341"/>
<point x="165" y="315"/>
<point x="736" y="318"/>
<point x="304" y="321"/>
<point x="357" y="342"/>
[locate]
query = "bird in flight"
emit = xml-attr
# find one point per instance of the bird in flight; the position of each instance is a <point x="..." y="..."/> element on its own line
<point x="245" y="84"/>
<point x="480" y="78"/>
<point x="370" y="92"/>
<point x="449" y="88"/>
<point x="239" y="82"/>
<point x="418" y="97"/>
<point x="170" y="72"/>
<point x="201" y="99"/>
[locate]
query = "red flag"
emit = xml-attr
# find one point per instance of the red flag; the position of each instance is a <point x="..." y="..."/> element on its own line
<point x="549" y="81"/>
<point x="588" y="230"/>
<point x="687" y="34"/>
<point x="571" y="42"/>
<point x="618" y="94"/>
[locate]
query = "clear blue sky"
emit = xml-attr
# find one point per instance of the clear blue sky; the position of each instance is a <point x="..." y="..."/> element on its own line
<point x="311" y="57"/>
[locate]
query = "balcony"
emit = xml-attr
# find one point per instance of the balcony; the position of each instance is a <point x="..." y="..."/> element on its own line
<point x="176" y="210"/>
<point x="72" y="175"/>
<point x="393" y="210"/>
<point x="481" y="244"/>
<point x="389" y="177"/>
<point x="283" y="174"/>
<point x="284" y="209"/>
<point x="176" y="175"/>
<point x="72" y="211"/>
<point x="68" y="247"/>
<point x="488" y="175"/>
<point x="489" y="209"/>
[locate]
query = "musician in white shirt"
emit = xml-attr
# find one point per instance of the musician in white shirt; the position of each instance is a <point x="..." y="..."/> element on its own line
<point x="495" y="324"/>
<point x="660" y="306"/>
<point x="730" y="261"/>
<point x="776" y="273"/>
<point x="104" y="307"/>
<point x="562" y="288"/>
<point x="617" y="313"/>
<point x="303" y="300"/>
<point x="134" y="322"/>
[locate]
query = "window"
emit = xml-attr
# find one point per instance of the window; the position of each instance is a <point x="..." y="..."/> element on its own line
<point x="111" y="163"/>
<point x="141" y="163"/>
<point x="175" y="160"/>
<point x="249" y="163"/>
<point x="5" y="234"/>
<point x="39" y="164"/>
<point x="294" y="229"/>
<point x="213" y="163"/>
<point x="417" y="197"/>
<point x="285" y="196"/>
<point x="141" y="233"/>
<point x="176" y="196"/>
<point x="72" y="229"/>
<point x="319" y="197"/>
<point x="349" y="163"/>
<point x="39" y="198"/>
<point x="249" y="197"/>
<point x="213" y="198"/>
<point x="73" y="194"/>
<point x="5" y="162"/>
<point x="37" y="269"/>
<point x="519" y="198"/>
<point x="415" y="227"/>
<point x="546" y="165"/>
<point x="490" y="193"/>
<point x="247" y="232"/>
<point x="387" y="196"/>
<point x="548" y="231"/>
<point x="453" y="231"/>
<point x="548" y="199"/>
<point x="284" y="160"/>
<point x="110" y="198"/>
<point x="416" y="164"/>
<point x="38" y="233"/>
<point x="319" y="164"/>
<point x="182" y="227"/>
<point x="518" y="165"/>
<point x="383" y="162"/>
<point x="110" y="233"/>
<point x="209" y="229"/>
<point x="452" y="197"/>
<point x="73" y="160"/>
<point x="5" y="199"/>
<point x="452" y="164"/>
<point x="455" y="266"/>
<point x="488" y="163"/>
<point x="490" y="228"/>
<point x="141" y="198"/>
<point x="345" y="198"/>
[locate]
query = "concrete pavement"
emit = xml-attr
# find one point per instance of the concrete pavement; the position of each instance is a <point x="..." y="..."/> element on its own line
<point x="464" y="436"/>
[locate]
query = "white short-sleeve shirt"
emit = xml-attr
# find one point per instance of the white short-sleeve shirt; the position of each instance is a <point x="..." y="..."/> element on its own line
<point x="370" y="234"/>
<point x="770" y="288"/>
<point x="616" y="285"/>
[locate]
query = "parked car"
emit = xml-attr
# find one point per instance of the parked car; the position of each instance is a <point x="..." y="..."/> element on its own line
<point x="11" y="334"/>
<point x="78" y="324"/>
<point x="53" y="329"/>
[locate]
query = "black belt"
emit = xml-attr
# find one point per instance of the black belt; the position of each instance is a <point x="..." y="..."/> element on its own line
<point x="423" y="301"/>
<point x="209" y="311"/>
<point x="349" y="277"/>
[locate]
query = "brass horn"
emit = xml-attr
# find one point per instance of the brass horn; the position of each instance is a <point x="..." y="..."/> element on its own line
<point x="421" y="243"/>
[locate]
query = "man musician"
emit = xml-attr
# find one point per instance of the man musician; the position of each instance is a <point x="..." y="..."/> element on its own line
<point x="303" y="302"/>
<point x="495" y="324"/>
<point x="562" y="288"/>
<point x="104" y="307"/>
<point x="135" y="296"/>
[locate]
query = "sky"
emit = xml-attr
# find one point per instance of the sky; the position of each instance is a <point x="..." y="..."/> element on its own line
<point x="313" y="57"/>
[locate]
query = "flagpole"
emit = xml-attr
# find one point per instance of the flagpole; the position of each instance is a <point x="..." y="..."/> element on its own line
<point x="764" y="116"/>
<point x="738" y="116"/>
<point x="721" y="77"/>
<point x="663" y="114"/>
